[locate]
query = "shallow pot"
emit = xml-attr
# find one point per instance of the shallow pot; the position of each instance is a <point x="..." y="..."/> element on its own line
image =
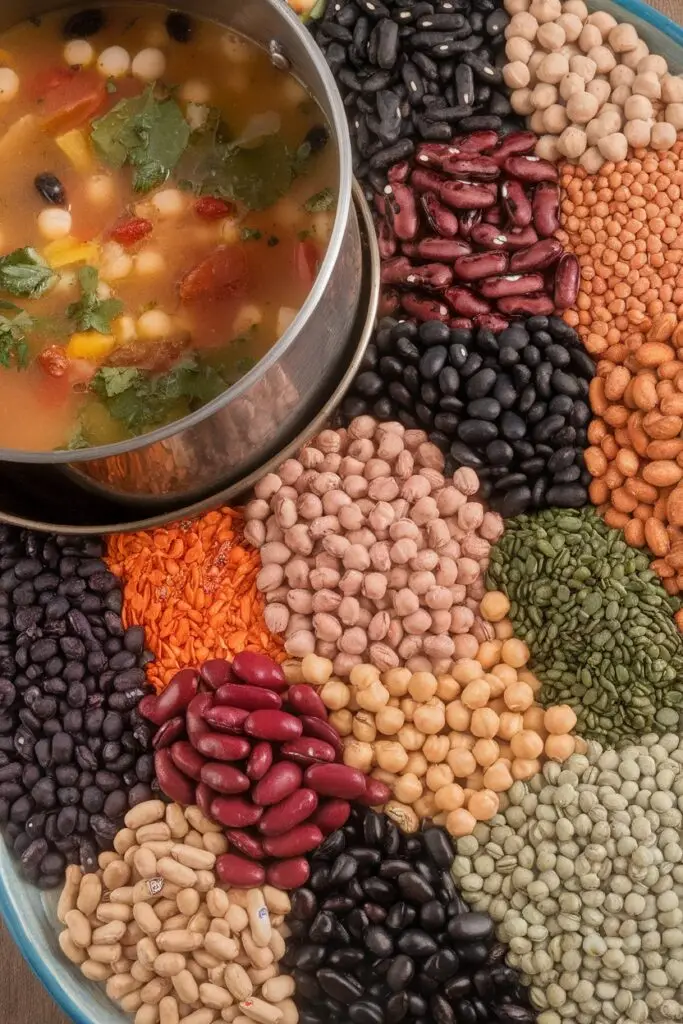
<point x="253" y="419"/>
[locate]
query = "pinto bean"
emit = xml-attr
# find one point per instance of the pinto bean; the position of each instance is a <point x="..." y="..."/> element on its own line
<point x="424" y="180"/>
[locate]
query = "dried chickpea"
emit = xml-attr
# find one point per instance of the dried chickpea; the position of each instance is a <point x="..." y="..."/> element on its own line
<point x="408" y="788"/>
<point x="392" y="756"/>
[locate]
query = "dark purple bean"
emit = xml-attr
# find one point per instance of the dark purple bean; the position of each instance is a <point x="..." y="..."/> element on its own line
<point x="546" y="209"/>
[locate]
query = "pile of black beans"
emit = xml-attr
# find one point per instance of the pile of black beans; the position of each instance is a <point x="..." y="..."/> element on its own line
<point x="411" y="70"/>
<point x="513" y="406"/>
<point x="74" y="752"/>
<point x="380" y="935"/>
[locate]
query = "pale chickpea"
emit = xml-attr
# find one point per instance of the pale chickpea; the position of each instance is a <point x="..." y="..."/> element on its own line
<point x="546" y="149"/>
<point x="674" y="115"/>
<point x="485" y="751"/>
<point x="603" y="21"/>
<point x="551" y="36"/>
<point x="571" y="25"/>
<point x="484" y="723"/>
<point x="553" y="68"/>
<point x="447" y="688"/>
<point x="592" y="160"/>
<point x="389" y="720"/>
<point x="154" y="324"/>
<point x="582" y="107"/>
<point x="417" y="764"/>
<point x="342" y="721"/>
<point x="363" y="676"/>
<point x="397" y="680"/>
<point x="614" y="147"/>
<point x="647" y="84"/>
<point x="317" y="671"/>
<point x="570" y="84"/>
<point x="518" y="49"/>
<point x="449" y="797"/>
<point x="335" y="694"/>
<point x="373" y="698"/>
<point x="488" y="654"/>
<point x="430" y="717"/>
<point x="411" y="738"/>
<point x="498" y="777"/>
<point x="439" y="775"/>
<point x="435" y="748"/>
<point x="554" y="120"/>
<point x="516" y="75"/>
<point x="633" y="57"/>
<point x="422" y="686"/>
<point x="364" y="727"/>
<point x="638" y="133"/>
<point x="520" y="101"/>
<point x="672" y="89"/>
<point x="390" y="755"/>
<point x="663" y="136"/>
<point x="604" y="59"/>
<point x="583" y="66"/>
<point x="358" y="754"/>
<point x="408" y="788"/>
<point x="536" y="122"/>
<point x="601" y="89"/>
<point x="425" y="806"/>
<point x="653" y="63"/>
<point x="522" y="24"/>
<point x="462" y="763"/>
<point x="467" y="669"/>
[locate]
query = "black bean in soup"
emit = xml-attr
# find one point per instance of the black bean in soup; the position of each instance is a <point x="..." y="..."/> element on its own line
<point x="84" y="24"/>
<point x="50" y="188"/>
<point x="179" y="27"/>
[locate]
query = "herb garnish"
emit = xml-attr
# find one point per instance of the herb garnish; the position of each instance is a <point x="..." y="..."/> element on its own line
<point x="250" y="234"/>
<point x="25" y="273"/>
<point x="321" y="201"/>
<point x="13" y="346"/>
<point x="91" y="313"/>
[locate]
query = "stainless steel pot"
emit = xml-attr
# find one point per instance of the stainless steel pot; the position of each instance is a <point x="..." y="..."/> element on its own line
<point x="246" y="425"/>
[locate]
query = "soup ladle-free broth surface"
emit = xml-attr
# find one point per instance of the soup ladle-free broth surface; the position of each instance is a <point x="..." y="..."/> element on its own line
<point x="166" y="197"/>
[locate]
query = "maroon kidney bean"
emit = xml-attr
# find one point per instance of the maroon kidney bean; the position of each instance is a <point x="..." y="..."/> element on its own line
<point x="475" y="142"/>
<point x="273" y="725"/>
<point x="224" y="778"/>
<point x="247" y="844"/>
<point x="238" y="871"/>
<point x="480" y="264"/>
<point x="305" y="701"/>
<point x="464" y="301"/>
<point x="513" y="144"/>
<point x="389" y="302"/>
<point x="336" y="780"/>
<point x="288" y="874"/>
<point x="546" y="207"/>
<point x="386" y="240"/>
<point x="172" y="782"/>
<point x="567" y="280"/>
<point x="424" y="180"/>
<point x="194" y="717"/>
<point x="511" y="284"/>
<point x="402" y="211"/>
<point x="489" y="236"/>
<point x="526" y="305"/>
<point x="169" y="731"/>
<point x="307" y="750"/>
<point x="218" y="746"/>
<point x="494" y="215"/>
<point x="187" y="760"/>
<point x="173" y="700"/>
<point x="279" y="782"/>
<point x="431" y="154"/>
<point x="440" y="249"/>
<point x="259" y="670"/>
<point x="259" y="762"/>
<point x="323" y="731"/>
<point x="396" y="270"/>
<point x="251" y="698"/>
<point x="420" y="308"/>
<point x="300" y="840"/>
<point x="399" y="172"/>
<point x="226" y="719"/>
<point x="468" y="221"/>
<point x="216" y="673"/>
<point x="466" y="195"/>
<point x="376" y="793"/>
<point x="440" y="218"/>
<point x="291" y="811"/>
<point x="462" y="322"/>
<point x="537" y="257"/>
<point x="491" y="322"/>
<point x="530" y="168"/>
<point x="517" y="206"/>
<point x="433" y="277"/>
<point x="331" y="815"/>
<point x="204" y="797"/>
<point x="235" y="811"/>
<point x="471" y="168"/>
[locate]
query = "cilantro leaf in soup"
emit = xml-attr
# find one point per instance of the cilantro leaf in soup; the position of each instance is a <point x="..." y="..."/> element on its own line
<point x="91" y="313"/>
<point x="25" y="273"/>
<point x="14" y="350"/>
<point x="321" y="202"/>
<point x="260" y="176"/>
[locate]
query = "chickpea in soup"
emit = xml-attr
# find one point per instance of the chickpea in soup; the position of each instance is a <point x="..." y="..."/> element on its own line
<point x="166" y="198"/>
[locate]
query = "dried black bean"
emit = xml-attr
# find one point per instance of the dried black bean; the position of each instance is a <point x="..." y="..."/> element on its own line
<point x="84" y="24"/>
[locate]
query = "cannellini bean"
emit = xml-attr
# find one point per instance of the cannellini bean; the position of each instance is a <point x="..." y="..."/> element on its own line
<point x="114" y="62"/>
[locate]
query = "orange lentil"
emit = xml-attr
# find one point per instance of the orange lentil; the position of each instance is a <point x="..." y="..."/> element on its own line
<point x="192" y="586"/>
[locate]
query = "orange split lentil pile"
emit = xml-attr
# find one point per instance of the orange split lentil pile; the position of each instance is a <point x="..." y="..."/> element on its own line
<point x="624" y="224"/>
<point x="192" y="585"/>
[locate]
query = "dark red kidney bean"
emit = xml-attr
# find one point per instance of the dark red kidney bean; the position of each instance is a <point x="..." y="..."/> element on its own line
<point x="259" y="762"/>
<point x="291" y="811"/>
<point x="305" y="701"/>
<point x="464" y="195"/>
<point x="224" y="778"/>
<point x="433" y="277"/>
<point x="431" y="154"/>
<point x="537" y="257"/>
<point x="567" y="280"/>
<point x="399" y="172"/>
<point x="322" y="731"/>
<point x="389" y="302"/>
<point x="307" y="750"/>
<point x="247" y="844"/>
<point x="546" y="208"/>
<point x="513" y="144"/>
<point x="441" y="249"/>
<point x="238" y="871"/>
<point x="489" y="235"/>
<point x="195" y="722"/>
<point x="168" y="733"/>
<point x="283" y="779"/>
<point x="396" y="270"/>
<point x="462" y="322"/>
<point x="516" y="204"/>
<point x="216" y="672"/>
<point x="386" y="240"/>
<point x="441" y="220"/>
<point x="204" y="797"/>
<point x="331" y="815"/>
<point x="336" y="780"/>
<point x="526" y="305"/>
<point x="466" y="302"/>
<point x="475" y="142"/>
<point x="491" y="322"/>
<point x="420" y="308"/>
<point x="235" y="812"/>
<point x="172" y="782"/>
<point x="494" y="215"/>
<point x="376" y="793"/>
<point x="530" y="168"/>
<point x="471" y="168"/>
<point x="259" y="670"/>
<point x="511" y="284"/>
<point x="479" y="265"/>
<point x="520" y="238"/>
<point x="251" y="698"/>
<point x="174" y="699"/>
<point x="226" y="719"/>
<point x="288" y="874"/>
<point x="380" y="204"/>
<point x="273" y="725"/>
<point x="219" y="747"/>
<point x="402" y="211"/>
<point x="300" y="840"/>
<point x="424" y="180"/>
<point x="187" y="760"/>
<point x="468" y="221"/>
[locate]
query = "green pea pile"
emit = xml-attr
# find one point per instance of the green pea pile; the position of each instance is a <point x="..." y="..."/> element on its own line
<point x="597" y="620"/>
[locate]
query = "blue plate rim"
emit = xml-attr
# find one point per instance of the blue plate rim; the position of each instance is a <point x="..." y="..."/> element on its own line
<point x="653" y="17"/>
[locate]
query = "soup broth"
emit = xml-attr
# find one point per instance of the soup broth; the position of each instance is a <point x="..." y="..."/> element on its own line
<point x="166" y="197"/>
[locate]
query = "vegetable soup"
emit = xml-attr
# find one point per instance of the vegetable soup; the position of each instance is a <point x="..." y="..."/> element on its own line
<point x="166" y="198"/>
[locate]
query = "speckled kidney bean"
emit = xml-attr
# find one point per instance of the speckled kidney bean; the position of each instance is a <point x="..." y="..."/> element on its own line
<point x="480" y="265"/>
<point x="567" y="281"/>
<point x="471" y="168"/>
<point x="531" y="169"/>
<point x="400" y="203"/>
<point x="537" y="257"/>
<point x="516" y="204"/>
<point x="529" y="305"/>
<point x="439" y="217"/>
<point x="512" y="284"/>
<point x="466" y="302"/>
<point x="465" y="195"/>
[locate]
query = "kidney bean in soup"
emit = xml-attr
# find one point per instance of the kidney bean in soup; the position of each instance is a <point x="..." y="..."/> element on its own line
<point x="167" y="198"/>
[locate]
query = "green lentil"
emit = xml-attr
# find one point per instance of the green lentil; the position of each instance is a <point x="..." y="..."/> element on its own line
<point x="597" y="621"/>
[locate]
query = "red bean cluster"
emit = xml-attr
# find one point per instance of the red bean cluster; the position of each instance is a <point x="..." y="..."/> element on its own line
<point x="466" y="234"/>
<point x="259" y="757"/>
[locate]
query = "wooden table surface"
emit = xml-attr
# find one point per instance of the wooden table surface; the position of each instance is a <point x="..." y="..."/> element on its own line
<point x="22" y="998"/>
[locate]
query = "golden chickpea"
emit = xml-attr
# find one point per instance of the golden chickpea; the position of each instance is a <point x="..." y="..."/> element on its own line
<point x="509" y="723"/>
<point x="485" y="752"/>
<point x="335" y="695"/>
<point x="489" y="654"/>
<point x="447" y="689"/>
<point x="515" y="653"/>
<point x="449" y="797"/>
<point x="534" y="718"/>
<point x="358" y="754"/>
<point x="317" y="671"/>
<point x="364" y="727"/>
<point x="390" y="755"/>
<point x="409" y="707"/>
<point x="523" y="769"/>
<point x="525" y="676"/>
<point x="466" y="670"/>
<point x="373" y="697"/>
<point x="422" y="686"/>
<point x="342" y="721"/>
<point x="353" y="703"/>
<point x="425" y="807"/>
<point x="519" y="696"/>
<point x="440" y="819"/>
<point x="559" y="719"/>
<point x="484" y="723"/>
<point x="363" y="676"/>
<point x="496" y="685"/>
<point x="435" y="748"/>
<point x="438" y="776"/>
<point x="430" y="718"/>
<point x="559" y="748"/>
<point x="411" y="738"/>
<point x="458" y="716"/>
<point x="396" y="681"/>
<point x="408" y="788"/>
<point x="494" y="606"/>
<point x="497" y="777"/>
<point x="417" y="764"/>
<point x="461" y="741"/>
<point x="483" y="805"/>
<point x="526" y="744"/>
<point x="504" y="630"/>
<point x="462" y="763"/>
<point x="476" y="694"/>
<point x="461" y="822"/>
<point x="388" y="777"/>
<point x="389" y="720"/>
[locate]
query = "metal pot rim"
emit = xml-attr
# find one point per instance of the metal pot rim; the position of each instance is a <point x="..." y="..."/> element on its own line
<point x="342" y="141"/>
